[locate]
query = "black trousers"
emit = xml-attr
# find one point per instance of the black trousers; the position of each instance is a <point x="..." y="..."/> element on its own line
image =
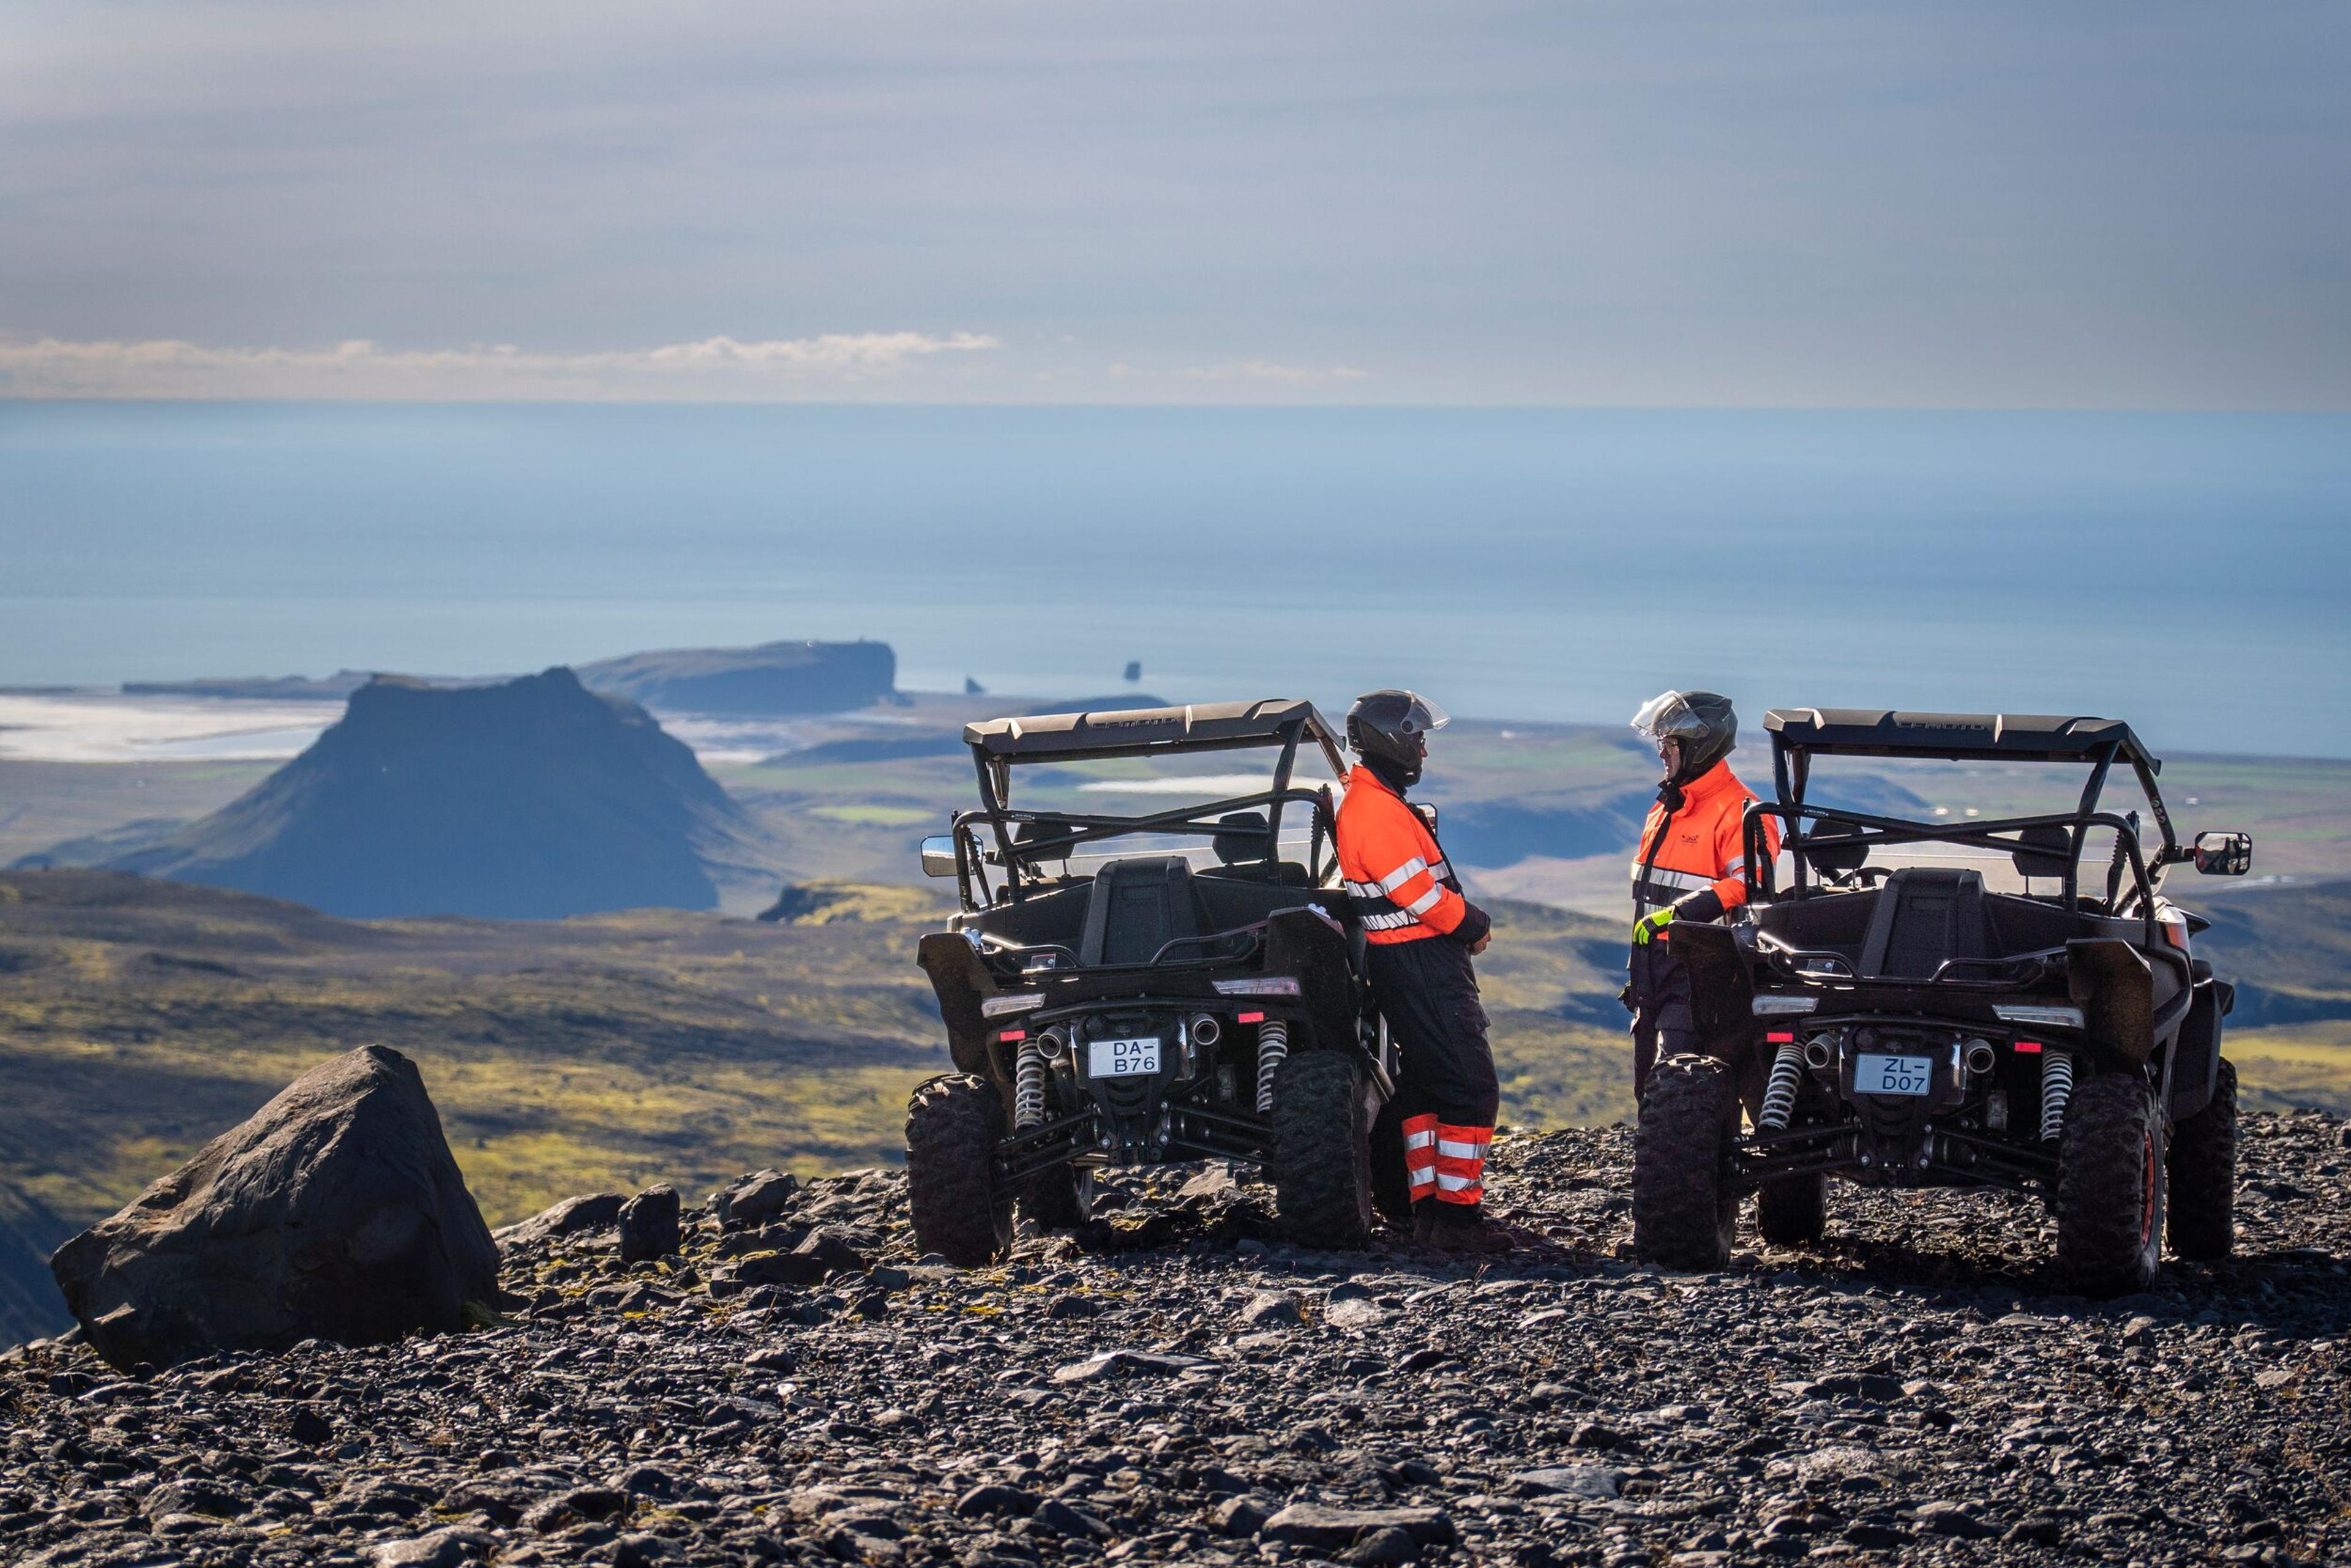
<point x="1427" y="991"/>
<point x="1659" y="995"/>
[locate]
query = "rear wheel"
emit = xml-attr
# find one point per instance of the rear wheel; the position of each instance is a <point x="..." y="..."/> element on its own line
<point x="1320" y="1153"/>
<point x="1685" y="1209"/>
<point x="960" y="1209"/>
<point x="1794" y="1210"/>
<point x="2110" y="1187"/>
<point x="2203" y="1171"/>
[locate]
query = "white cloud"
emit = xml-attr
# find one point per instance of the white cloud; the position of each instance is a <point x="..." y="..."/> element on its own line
<point x="831" y="364"/>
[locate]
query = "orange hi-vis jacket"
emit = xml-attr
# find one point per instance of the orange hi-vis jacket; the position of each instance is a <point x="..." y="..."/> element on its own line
<point x="1396" y="876"/>
<point x="1704" y="846"/>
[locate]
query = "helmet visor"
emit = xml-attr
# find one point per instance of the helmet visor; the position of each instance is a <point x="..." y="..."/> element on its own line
<point x="1670" y="716"/>
<point x="1421" y="716"/>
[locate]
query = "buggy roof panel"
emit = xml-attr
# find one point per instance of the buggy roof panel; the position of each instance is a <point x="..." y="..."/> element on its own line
<point x="2022" y="737"/>
<point x="1133" y="732"/>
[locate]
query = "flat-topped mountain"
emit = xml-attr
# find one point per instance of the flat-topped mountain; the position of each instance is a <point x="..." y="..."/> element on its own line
<point x="534" y="798"/>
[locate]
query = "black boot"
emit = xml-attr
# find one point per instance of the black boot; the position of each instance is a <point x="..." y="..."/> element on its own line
<point x="1459" y="1227"/>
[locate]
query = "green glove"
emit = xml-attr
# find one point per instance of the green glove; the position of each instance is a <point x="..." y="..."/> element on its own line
<point x="1649" y="925"/>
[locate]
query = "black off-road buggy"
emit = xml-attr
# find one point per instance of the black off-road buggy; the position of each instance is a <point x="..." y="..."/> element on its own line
<point x="1953" y="1002"/>
<point x="1121" y="991"/>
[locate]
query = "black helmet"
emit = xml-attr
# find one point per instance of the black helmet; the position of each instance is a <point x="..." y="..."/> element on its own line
<point x="1702" y="721"/>
<point x="1391" y="727"/>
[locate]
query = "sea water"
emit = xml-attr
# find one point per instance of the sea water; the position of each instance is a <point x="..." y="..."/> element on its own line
<point x="2185" y="571"/>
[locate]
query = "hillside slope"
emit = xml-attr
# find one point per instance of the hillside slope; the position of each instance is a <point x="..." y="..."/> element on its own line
<point x="138" y="1018"/>
<point x="534" y="798"/>
<point x="2287" y="948"/>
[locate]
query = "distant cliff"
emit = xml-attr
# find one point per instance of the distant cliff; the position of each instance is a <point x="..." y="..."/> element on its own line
<point x="773" y="678"/>
<point x="534" y="798"/>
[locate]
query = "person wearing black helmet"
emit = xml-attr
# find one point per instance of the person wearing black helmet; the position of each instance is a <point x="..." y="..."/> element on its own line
<point x="1691" y="865"/>
<point x="1420" y="934"/>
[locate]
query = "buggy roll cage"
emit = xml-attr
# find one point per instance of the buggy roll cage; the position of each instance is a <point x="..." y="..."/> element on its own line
<point x="1798" y="735"/>
<point x="996" y="743"/>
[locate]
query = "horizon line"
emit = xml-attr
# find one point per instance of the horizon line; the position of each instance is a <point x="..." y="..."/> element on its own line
<point x="1367" y="405"/>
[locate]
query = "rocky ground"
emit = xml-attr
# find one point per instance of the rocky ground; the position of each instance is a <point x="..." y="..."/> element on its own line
<point x="1176" y="1385"/>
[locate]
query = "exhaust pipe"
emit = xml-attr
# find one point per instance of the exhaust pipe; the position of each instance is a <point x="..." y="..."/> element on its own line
<point x="1206" y="1030"/>
<point x="1981" y="1059"/>
<point x="1820" y="1051"/>
<point x="1052" y="1045"/>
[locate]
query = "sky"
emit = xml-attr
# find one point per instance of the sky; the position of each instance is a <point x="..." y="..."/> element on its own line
<point x="1639" y="203"/>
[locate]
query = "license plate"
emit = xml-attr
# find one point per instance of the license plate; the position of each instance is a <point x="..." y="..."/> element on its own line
<point x="1894" y="1075"/>
<point x="1123" y="1058"/>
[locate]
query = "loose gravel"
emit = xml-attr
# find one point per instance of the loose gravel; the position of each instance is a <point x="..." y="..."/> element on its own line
<point x="1175" y="1385"/>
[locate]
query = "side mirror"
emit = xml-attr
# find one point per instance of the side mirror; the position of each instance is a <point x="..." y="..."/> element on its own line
<point x="1427" y="814"/>
<point x="939" y="855"/>
<point x="2224" y="854"/>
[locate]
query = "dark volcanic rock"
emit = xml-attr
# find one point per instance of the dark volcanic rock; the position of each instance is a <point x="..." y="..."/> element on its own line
<point x="533" y="799"/>
<point x="753" y="1200"/>
<point x="589" y="1211"/>
<point x="336" y="1212"/>
<point x="649" y="1225"/>
<point x="1313" y="1524"/>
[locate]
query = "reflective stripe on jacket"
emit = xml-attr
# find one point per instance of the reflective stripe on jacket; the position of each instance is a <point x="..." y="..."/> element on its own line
<point x="1704" y="848"/>
<point x="1396" y="877"/>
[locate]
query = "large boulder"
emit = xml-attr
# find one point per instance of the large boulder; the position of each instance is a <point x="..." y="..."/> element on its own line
<point x="335" y="1212"/>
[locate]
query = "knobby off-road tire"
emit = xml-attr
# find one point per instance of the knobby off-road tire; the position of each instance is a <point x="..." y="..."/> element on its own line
<point x="959" y="1211"/>
<point x="2203" y="1170"/>
<point x="1794" y="1210"/>
<point x="1685" y="1209"/>
<point x="1320" y="1153"/>
<point x="1391" y="1185"/>
<point x="2110" y="1187"/>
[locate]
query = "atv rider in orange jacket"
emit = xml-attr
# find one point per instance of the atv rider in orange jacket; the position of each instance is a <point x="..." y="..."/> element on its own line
<point x="1420" y="934"/>
<point x="1691" y="863"/>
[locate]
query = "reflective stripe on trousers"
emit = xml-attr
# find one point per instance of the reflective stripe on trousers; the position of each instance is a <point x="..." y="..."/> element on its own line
<point x="1420" y="1155"/>
<point x="1461" y="1163"/>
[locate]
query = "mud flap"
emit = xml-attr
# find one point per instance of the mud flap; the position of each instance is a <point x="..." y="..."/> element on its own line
<point x="2111" y="983"/>
<point x="1722" y="1003"/>
<point x="959" y="980"/>
<point x="2196" y="1055"/>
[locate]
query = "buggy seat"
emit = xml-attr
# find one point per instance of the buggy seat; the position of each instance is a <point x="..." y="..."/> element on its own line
<point x="1136" y="907"/>
<point x="1924" y="916"/>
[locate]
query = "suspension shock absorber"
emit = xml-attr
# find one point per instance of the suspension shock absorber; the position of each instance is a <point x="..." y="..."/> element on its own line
<point x="2056" y="1091"/>
<point x="1272" y="1050"/>
<point x="1029" y="1085"/>
<point x="1779" y="1093"/>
